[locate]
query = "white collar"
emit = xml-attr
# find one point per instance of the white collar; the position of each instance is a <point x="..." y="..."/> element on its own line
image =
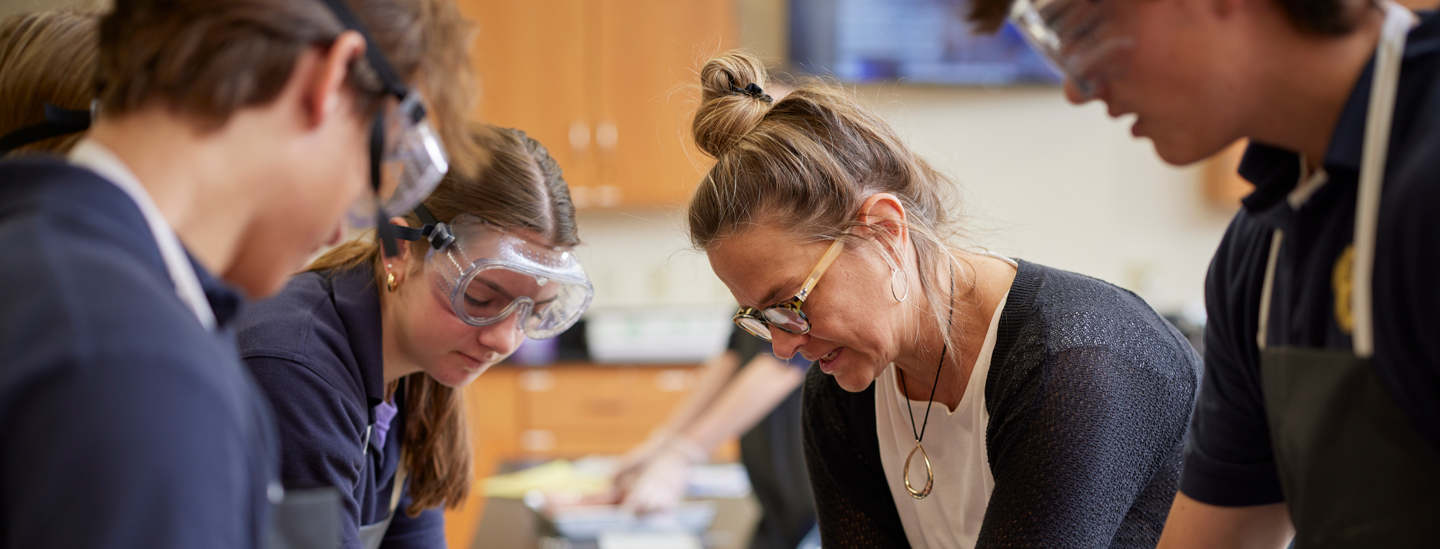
<point x="99" y="159"/>
<point x="1310" y="181"/>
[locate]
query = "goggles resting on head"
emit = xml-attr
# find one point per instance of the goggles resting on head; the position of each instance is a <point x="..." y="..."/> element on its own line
<point x="407" y="158"/>
<point x="1075" y="36"/>
<point x="487" y="274"/>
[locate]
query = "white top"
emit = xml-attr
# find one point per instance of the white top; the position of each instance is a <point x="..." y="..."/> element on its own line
<point x="99" y="159"/>
<point x="951" y="515"/>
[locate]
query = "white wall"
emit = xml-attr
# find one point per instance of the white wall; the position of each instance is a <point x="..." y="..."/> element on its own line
<point x="642" y="258"/>
<point x="1065" y="186"/>
<point x="1040" y="179"/>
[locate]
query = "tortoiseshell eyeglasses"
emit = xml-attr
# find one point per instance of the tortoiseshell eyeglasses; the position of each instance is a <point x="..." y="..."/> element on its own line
<point x="786" y="315"/>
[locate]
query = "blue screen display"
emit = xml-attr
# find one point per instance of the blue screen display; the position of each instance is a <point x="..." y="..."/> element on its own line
<point x="911" y="41"/>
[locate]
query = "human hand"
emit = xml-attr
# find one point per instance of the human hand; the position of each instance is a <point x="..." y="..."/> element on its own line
<point x="633" y="461"/>
<point x="660" y="484"/>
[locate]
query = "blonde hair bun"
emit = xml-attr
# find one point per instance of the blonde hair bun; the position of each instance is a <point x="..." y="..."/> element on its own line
<point x="732" y="101"/>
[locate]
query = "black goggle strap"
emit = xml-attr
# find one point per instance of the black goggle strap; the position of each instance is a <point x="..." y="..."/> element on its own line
<point x="437" y="233"/>
<point x="393" y="85"/>
<point x="383" y="229"/>
<point x="388" y="77"/>
<point x="57" y="122"/>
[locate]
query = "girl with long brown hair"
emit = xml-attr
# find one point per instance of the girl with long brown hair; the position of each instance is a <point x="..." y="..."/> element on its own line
<point x="363" y="355"/>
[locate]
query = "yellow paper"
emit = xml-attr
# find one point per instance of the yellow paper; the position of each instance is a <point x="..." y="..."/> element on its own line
<point x="556" y="476"/>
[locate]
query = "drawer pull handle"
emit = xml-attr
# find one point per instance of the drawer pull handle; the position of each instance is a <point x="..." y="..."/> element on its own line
<point x="537" y="440"/>
<point x="537" y="381"/>
<point x="674" y="381"/>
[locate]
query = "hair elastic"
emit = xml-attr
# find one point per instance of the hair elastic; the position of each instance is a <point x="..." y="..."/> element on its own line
<point x="753" y="90"/>
<point x="57" y="122"/>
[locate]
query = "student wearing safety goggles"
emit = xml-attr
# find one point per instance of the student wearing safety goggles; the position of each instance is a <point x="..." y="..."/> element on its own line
<point x="364" y="355"/>
<point x="1320" y="410"/>
<point x="230" y="139"/>
<point x="958" y="398"/>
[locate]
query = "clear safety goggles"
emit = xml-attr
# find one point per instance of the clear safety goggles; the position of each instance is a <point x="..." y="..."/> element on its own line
<point x="487" y="274"/>
<point x="1079" y="38"/>
<point x="407" y="158"/>
<point x="412" y="163"/>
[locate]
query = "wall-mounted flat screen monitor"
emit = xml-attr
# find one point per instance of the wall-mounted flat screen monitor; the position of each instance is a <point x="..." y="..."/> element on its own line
<point x="909" y="41"/>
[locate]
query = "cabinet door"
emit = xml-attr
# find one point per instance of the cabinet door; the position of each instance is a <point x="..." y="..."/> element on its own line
<point x="531" y="58"/>
<point x="650" y="53"/>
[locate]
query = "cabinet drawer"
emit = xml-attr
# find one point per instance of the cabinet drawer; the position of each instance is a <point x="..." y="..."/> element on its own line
<point x="605" y="399"/>
<point x="576" y="441"/>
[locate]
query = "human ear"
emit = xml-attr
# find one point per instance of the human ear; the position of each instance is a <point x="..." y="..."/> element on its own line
<point x="884" y="215"/>
<point x="326" y="81"/>
<point x="401" y="261"/>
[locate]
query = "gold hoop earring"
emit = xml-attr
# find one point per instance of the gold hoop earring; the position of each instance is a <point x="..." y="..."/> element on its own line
<point x="390" y="283"/>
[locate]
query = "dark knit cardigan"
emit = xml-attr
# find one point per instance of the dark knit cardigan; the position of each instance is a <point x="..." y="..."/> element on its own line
<point x="1089" y="394"/>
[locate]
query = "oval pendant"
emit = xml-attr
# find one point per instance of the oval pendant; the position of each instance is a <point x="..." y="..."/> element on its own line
<point x="929" y="474"/>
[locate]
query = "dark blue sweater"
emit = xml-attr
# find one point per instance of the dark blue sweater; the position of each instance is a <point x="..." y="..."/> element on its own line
<point x="127" y="423"/>
<point x="316" y="350"/>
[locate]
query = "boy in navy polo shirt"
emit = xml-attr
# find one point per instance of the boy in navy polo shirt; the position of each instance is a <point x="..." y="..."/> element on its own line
<point x="1320" y="406"/>
<point x="232" y="139"/>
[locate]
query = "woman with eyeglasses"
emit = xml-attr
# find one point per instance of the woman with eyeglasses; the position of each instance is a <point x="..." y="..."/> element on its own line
<point x="958" y="398"/>
<point x="363" y="355"/>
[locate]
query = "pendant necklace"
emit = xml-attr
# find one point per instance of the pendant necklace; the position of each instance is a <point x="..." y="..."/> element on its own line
<point x="920" y="434"/>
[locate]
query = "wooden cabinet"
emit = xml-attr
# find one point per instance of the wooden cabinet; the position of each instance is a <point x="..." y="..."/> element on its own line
<point x="608" y="86"/>
<point x="574" y="411"/>
<point x="564" y="411"/>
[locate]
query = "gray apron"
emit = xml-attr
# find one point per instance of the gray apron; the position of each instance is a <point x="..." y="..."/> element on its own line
<point x="306" y="519"/>
<point x="1355" y="472"/>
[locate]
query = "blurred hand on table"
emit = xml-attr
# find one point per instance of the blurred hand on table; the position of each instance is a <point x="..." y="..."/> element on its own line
<point x="655" y="480"/>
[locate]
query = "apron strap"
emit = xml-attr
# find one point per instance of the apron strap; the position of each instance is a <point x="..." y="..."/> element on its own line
<point x="1268" y="287"/>
<point x="401" y="474"/>
<point x="372" y="536"/>
<point x="1398" y="21"/>
<point x="1378" y="117"/>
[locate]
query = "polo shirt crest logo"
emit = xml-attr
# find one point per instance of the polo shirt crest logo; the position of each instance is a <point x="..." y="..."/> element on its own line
<point x="1340" y="281"/>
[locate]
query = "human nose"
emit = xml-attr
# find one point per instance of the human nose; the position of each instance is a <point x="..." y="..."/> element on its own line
<point x="502" y="337"/>
<point x="1078" y="93"/>
<point x="785" y="344"/>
